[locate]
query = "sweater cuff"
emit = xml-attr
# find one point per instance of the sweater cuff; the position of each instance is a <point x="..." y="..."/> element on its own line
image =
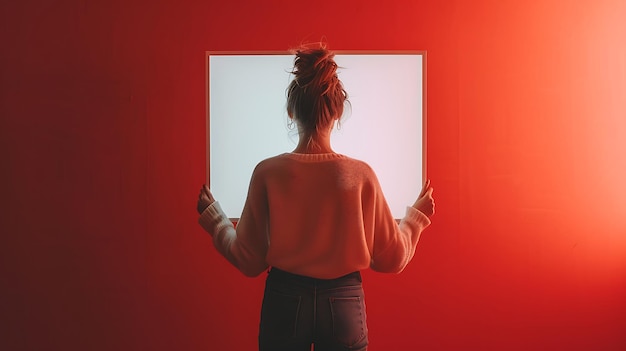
<point x="213" y="219"/>
<point x="417" y="216"/>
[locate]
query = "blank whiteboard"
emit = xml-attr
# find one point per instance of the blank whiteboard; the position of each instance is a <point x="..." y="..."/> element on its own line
<point x="247" y="120"/>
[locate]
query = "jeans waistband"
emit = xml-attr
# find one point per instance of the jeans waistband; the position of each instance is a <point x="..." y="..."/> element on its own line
<point x="348" y="279"/>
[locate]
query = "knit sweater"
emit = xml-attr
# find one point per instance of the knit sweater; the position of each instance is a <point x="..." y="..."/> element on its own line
<point x="318" y="215"/>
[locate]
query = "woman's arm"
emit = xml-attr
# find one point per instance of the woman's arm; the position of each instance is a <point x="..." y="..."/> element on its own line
<point x="395" y="244"/>
<point x="246" y="246"/>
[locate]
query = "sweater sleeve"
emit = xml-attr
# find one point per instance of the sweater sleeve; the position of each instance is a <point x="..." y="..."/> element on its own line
<point x="245" y="246"/>
<point x="394" y="244"/>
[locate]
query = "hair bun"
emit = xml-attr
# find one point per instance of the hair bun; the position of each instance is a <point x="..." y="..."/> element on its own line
<point x="315" y="69"/>
<point x="315" y="96"/>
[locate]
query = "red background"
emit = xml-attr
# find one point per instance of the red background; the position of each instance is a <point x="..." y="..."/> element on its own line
<point x="102" y="148"/>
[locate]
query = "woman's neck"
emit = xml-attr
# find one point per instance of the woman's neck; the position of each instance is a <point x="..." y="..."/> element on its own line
<point x="315" y="143"/>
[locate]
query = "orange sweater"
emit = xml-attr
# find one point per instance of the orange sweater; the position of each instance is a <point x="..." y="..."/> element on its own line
<point x="318" y="215"/>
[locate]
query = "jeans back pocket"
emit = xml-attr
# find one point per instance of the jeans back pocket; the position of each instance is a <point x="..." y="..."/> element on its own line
<point x="349" y="321"/>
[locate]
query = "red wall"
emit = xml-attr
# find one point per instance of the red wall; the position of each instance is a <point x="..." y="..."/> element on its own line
<point x="102" y="144"/>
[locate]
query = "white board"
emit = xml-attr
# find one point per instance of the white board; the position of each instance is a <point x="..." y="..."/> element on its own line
<point x="247" y="120"/>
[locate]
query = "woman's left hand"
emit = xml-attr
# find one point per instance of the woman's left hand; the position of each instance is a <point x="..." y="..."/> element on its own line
<point x="205" y="199"/>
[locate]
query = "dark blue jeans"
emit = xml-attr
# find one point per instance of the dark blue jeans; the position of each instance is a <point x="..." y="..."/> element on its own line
<point x="299" y="311"/>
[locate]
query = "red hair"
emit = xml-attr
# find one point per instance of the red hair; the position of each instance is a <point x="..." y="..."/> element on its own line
<point x="315" y="97"/>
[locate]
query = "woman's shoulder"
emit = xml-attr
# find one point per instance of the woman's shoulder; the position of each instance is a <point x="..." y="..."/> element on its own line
<point x="271" y="163"/>
<point x="356" y="163"/>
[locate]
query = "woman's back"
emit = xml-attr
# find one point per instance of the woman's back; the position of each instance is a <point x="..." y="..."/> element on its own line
<point x="316" y="220"/>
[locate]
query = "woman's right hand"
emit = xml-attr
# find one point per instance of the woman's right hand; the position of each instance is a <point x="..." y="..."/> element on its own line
<point x="425" y="202"/>
<point x="205" y="199"/>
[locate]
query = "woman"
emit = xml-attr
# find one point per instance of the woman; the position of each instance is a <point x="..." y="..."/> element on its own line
<point x="317" y="218"/>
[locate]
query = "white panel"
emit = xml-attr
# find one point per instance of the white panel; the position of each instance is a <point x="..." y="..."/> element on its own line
<point x="248" y="121"/>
